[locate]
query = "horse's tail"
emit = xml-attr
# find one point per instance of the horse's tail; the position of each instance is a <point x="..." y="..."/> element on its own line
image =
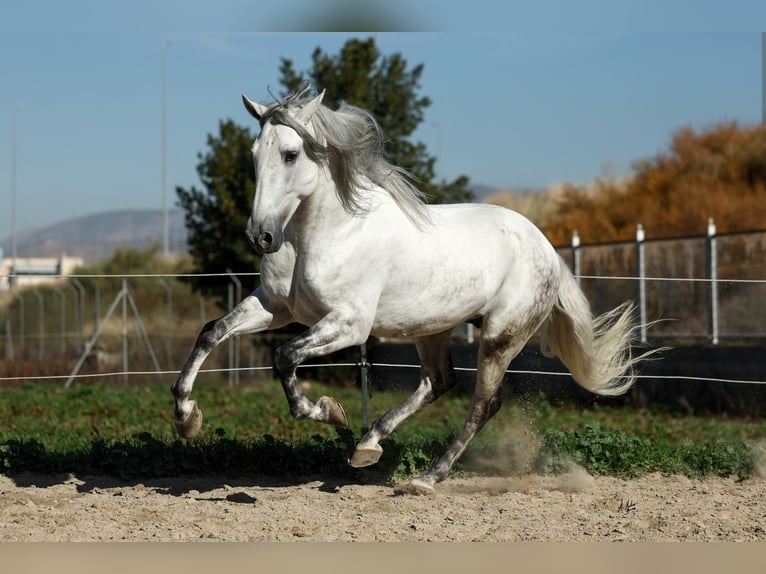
<point x="597" y="351"/>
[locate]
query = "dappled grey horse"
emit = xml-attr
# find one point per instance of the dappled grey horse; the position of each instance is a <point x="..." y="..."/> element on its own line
<point x="351" y="250"/>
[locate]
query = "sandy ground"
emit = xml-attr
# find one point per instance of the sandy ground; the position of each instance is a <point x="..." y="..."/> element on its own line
<point x="570" y="507"/>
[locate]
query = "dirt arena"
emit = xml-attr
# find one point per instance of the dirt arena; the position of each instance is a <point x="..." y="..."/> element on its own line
<point x="570" y="507"/>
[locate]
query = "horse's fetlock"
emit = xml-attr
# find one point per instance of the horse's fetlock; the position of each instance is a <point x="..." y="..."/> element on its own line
<point x="298" y="413"/>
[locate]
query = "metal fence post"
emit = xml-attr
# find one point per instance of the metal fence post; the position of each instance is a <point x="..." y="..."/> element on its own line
<point x="124" y="331"/>
<point x="97" y="303"/>
<point x="78" y="316"/>
<point x="576" y="256"/>
<point x="22" y="325"/>
<point x="234" y="341"/>
<point x="641" y="272"/>
<point x="41" y="324"/>
<point x="121" y="296"/>
<point x="712" y="276"/>
<point x="9" y="356"/>
<point x="80" y="310"/>
<point x="169" y="305"/>
<point x="62" y="297"/>
<point x="230" y="289"/>
<point x="363" y="371"/>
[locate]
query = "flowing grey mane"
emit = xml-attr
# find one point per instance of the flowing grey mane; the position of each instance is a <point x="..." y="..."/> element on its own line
<point x="351" y="141"/>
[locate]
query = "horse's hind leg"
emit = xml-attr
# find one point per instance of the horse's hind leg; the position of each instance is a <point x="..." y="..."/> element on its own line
<point x="495" y="354"/>
<point x="437" y="377"/>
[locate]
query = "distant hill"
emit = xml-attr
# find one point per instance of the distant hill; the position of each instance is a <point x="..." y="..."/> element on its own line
<point x="96" y="237"/>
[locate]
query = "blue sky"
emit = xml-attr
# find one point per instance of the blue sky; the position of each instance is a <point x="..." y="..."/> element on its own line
<point x="524" y="96"/>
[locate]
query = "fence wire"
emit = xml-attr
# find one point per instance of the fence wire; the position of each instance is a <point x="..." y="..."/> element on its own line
<point x="359" y="365"/>
<point x="157" y="372"/>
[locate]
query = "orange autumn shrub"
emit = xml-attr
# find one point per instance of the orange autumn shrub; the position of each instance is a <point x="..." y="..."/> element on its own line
<point x="718" y="173"/>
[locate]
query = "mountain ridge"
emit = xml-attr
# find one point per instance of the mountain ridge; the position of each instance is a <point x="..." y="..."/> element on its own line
<point x="96" y="236"/>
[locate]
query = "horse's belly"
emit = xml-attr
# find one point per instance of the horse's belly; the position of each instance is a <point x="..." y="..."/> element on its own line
<point x="429" y="308"/>
<point x="413" y="329"/>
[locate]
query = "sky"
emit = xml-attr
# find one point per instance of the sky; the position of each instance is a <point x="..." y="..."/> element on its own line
<point x="525" y="95"/>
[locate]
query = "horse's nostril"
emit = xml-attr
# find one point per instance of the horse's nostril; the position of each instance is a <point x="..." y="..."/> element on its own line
<point x="265" y="239"/>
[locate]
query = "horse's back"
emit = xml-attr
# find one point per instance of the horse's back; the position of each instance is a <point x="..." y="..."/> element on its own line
<point x="473" y="260"/>
<point x="496" y="234"/>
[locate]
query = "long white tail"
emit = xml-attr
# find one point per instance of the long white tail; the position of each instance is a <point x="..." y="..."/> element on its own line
<point x="597" y="351"/>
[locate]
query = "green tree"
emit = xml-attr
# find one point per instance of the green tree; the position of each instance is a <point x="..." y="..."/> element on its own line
<point x="216" y="217"/>
<point x="384" y="85"/>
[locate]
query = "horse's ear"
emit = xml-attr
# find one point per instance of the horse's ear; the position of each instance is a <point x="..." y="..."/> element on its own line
<point x="256" y="110"/>
<point x="305" y="114"/>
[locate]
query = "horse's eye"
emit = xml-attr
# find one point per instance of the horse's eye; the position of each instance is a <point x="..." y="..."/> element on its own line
<point x="291" y="156"/>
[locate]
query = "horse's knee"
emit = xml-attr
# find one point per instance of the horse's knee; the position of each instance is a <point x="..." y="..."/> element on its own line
<point x="207" y="339"/>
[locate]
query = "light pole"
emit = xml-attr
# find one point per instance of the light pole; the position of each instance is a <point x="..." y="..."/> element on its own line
<point x="165" y="221"/>
<point x="14" y="253"/>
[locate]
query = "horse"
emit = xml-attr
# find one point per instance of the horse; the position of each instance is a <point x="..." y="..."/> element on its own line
<point x="350" y="249"/>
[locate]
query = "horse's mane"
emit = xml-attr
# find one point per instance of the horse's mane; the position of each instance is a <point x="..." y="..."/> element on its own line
<point x="352" y="143"/>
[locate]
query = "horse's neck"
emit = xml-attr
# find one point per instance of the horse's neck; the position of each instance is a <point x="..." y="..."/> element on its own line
<point x="321" y="220"/>
<point x="318" y="217"/>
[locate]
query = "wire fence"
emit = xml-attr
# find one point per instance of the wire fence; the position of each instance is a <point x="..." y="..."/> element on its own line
<point x="702" y="289"/>
<point x="38" y="344"/>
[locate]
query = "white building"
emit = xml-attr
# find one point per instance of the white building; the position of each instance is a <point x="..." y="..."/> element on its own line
<point x="30" y="271"/>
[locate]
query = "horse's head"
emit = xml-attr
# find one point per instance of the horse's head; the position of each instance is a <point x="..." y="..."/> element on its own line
<point x="286" y="170"/>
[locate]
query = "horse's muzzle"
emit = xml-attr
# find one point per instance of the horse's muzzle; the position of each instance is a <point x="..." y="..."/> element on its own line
<point x="262" y="241"/>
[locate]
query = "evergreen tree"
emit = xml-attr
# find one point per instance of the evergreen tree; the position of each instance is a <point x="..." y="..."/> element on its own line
<point x="216" y="216"/>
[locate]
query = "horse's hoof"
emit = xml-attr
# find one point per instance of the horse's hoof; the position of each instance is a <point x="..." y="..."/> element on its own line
<point x="365" y="456"/>
<point x="332" y="411"/>
<point x="190" y="427"/>
<point x="415" y="486"/>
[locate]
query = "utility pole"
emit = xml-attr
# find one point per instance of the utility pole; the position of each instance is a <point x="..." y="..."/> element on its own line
<point x="165" y="220"/>
<point x="14" y="253"/>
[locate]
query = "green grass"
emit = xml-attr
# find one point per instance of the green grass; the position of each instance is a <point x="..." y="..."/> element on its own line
<point x="127" y="431"/>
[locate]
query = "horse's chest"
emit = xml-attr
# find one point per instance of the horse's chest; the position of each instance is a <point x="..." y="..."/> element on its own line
<point x="315" y="290"/>
<point x="306" y="289"/>
<point x="277" y="273"/>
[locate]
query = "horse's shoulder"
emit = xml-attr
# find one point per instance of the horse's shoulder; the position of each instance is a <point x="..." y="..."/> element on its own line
<point x="277" y="271"/>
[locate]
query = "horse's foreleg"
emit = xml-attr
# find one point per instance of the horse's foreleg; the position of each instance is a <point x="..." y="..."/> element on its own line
<point x="253" y="314"/>
<point x="437" y="376"/>
<point x="332" y="333"/>
<point x="494" y="357"/>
